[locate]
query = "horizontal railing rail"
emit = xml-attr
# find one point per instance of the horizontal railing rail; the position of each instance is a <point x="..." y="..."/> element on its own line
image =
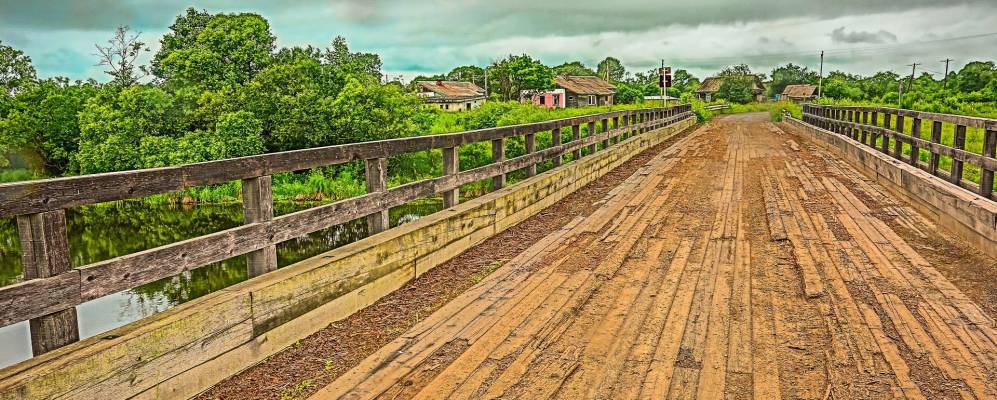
<point x="865" y="125"/>
<point x="52" y="287"/>
<point x="718" y="107"/>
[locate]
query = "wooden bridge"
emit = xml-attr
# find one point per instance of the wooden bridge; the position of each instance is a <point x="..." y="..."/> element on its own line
<point x="746" y="259"/>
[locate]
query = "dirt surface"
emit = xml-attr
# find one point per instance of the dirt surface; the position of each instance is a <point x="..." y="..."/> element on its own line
<point x="740" y="262"/>
<point x="320" y="358"/>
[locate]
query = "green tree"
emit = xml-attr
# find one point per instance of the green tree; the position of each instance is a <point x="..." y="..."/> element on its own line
<point x="113" y="124"/>
<point x="468" y="73"/>
<point x="738" y="85"/>
<point x="612" y="68"/>
<point x="120" y="55"/>
<point x="514" y="74"/>
<point x="230" y="50"/>
<point x="976" y="75"/>
<point x="182" y="35"/>
<point x="16" y="70"/>
<point x="790" y="74"/>
<point x="43" y="120"/>
<point x="628" y="94"/>
<point x="350" y="63"/>
<point x="573" y="68"/>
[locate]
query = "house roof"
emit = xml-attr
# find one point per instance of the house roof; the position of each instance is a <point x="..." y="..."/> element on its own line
<point x="712" y="84"/>
<point x="799" y="91"/>
<point x="585" y="84"/>
<point x="451" y="90"/>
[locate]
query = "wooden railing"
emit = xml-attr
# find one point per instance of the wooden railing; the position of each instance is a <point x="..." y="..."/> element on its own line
<point x="875" y="126"/>
<point x="718" y="107"/>
<point x="52" y="287"/>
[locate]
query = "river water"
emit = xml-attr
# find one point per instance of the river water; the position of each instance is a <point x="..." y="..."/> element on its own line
<point x="98" y="233"/>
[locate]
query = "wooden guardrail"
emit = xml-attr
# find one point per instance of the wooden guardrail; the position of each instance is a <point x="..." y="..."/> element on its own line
<point x="869" y="124"/>
<point x="52" y="287"/>
<point x="718" y="107"/>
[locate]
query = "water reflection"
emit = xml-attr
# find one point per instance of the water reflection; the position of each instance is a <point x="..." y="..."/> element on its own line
<point x="103" y="232"/>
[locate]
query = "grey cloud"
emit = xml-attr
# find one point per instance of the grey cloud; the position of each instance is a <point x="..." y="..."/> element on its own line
<point x="839" y="35"/>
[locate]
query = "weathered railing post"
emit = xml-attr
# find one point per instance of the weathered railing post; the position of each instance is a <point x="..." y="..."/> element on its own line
<point x="555" y="140"/>
<point x="851" y="130"/>
<point x="958" y="142"/>
<point x="915" y="150"/>
<point x="591" y="132"/>
<point x="605" y="128"/>
<point x="45" y="253"/>
<point x="531" y="147"/>
<point x="865" y="132"/>
<point x="498" y="155"/>
<point x="376" y="174"/>
<point x="898" y="145"/>
<point x="616" y="129"/>
<point x="885" y="146"/>
<point x="987" y="175"/>
<point x="451" y="166"/>
<point x="874" y="121"/>
<point x="257" y="206"/>
<point x="936" y="137"/>
<point x="576" y="134"/>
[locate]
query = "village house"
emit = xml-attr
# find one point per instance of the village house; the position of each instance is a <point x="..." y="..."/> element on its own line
<point x="548" y="99"/>
<point x="799" y="93"/>
<point x="584" y="91"/>
<point x="708" y="89"/>
<point x="451" y="95"/>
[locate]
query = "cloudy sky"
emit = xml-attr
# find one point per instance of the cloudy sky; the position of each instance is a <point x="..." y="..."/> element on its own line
<point x="429" y="36"/>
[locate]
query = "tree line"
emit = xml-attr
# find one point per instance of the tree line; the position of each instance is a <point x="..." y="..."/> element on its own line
<point x="219" y="87"/>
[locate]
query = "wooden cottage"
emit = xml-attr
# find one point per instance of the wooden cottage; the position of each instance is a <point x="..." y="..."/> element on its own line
<point x="708" y="89"/>
<point x="451" y="95"/>
<point x="584" y="91"/>
<point x="799" y="93"/>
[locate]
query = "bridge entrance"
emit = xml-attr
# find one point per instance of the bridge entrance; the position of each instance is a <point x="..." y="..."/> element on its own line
<point x="740" y="262"/>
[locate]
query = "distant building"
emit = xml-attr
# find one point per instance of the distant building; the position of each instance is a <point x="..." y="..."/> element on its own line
<point x="708" y="89"/>
<point x="799" y="93"/>
<point x="451" y="95"/>
<point x="584" y="91"/>
<point x="549" y="99"/>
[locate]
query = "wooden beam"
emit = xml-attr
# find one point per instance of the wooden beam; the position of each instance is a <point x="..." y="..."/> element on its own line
<point x="591" y="132"/>
<point x="451" y="166"/>
<point x="257" y="206"/>
<point x="576" y="134"/>
<point x="376" y="176"/>
<point x="45" y="254"/>
<point x="498" y="156"/>
<point x="986" y="173"/>
<point x="936" y="137"/>
<point x="531" y="146"/>
<point x="958" y="142"/>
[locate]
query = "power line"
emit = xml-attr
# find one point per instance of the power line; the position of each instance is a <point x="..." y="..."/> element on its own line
<point x="894" y="47"/>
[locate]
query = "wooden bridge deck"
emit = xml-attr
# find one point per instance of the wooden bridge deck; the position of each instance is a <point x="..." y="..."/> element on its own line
<point x="740" y="262"/>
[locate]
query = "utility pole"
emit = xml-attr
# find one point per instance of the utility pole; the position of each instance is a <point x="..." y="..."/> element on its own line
<point x="945" y="81"/>
<point x="900" y="93"/>
<point x="486" y="82"/>
<point x="820" y="82"/>
<point x="910" y="84"/>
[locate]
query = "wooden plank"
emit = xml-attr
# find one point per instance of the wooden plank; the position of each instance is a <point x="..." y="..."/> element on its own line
<point x="257" y="206"/>
<point x="576" y="134"/>
<point x="531" y="146"/>
<point x="958" y="142"/>
<point x="898" y="145"/>
<point x="376" y="176"/>
<point x="451" y="166"/>
<point x="45" y="254"/>
<point x="498" y="156"/>
<point x="591" y="132"/>
<point x="987" y="174"/>
<point x="555" y="141"/>
<point x="915" y="151"/>
<point x="605" y="128"/>
<point x="936" y="137"/>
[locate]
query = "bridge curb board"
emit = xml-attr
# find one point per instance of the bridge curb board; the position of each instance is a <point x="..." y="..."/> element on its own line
<point x="183" y="351"/>
<point x="971" y="216"/>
